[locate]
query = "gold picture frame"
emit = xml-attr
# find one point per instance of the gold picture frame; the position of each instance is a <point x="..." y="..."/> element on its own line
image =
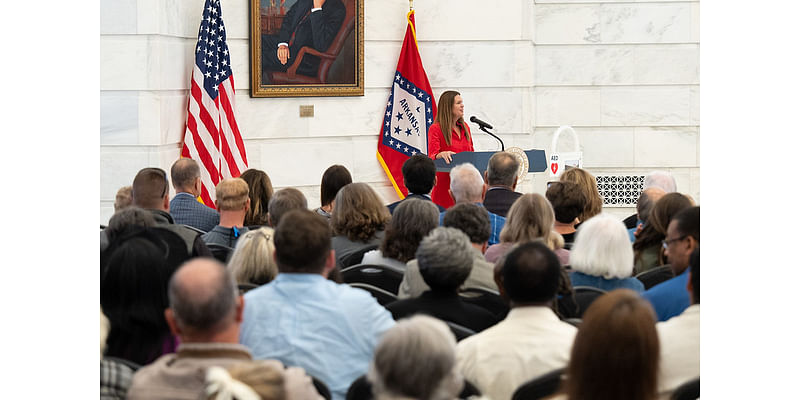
<point x="337" y="70"/>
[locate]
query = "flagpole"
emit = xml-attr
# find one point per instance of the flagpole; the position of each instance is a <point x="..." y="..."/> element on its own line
<point x="410" y="5"/>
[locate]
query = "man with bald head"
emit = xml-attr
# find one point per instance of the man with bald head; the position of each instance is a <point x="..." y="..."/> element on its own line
<point x="501" y="176"/>
<point x="205" y="312"/>
<point x="184" y="207"/>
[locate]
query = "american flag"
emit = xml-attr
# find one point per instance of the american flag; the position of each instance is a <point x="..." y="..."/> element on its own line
<point x="212" y="136"/>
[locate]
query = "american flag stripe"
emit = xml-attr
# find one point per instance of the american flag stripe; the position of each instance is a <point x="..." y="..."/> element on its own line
<point x="212" y="136"/>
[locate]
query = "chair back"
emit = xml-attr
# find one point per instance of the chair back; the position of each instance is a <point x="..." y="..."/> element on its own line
<point x="361" y="389"/>
<point x="199" y="231"/>
<point x="356" y="257"/>
<point x="379" y="294"/>
<point x="687" y="391"/>
<point x="460" y="332"/>
<point x="220" y="251"/>
<point x="655" y="276"/>
<point x="377" y="275"/>
<point x="489" y="300"/>
<point x="585" y="296"/>
<point x="539" y="387"/>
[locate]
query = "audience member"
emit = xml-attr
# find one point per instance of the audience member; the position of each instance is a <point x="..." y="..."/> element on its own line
<point x="445" y="260"/>
<point x="133" y="292"/>
<point x="680" y="338"/>
<point x="184" y="207"/>
<point x="473" y="220"/>
<point x="466" y="186"/>
<point x="303" y="319"/>
<point x="654" y="180"/>
<point x="615" y="355"/>
<point x="115" y="377"/>
<point x="150" y="191"/>
<point x="670" y="298"/>
<point x="260" y="193"/>
<point x="416" y="360"/>
<point x="121" y="220"/>
<point x="419" y="177"/>
<point x="283" y="201"/>
<point x="358" y="221"/>
<point x="232" y="203"/>
<point x="588" y="184"/>
<point x="123" y="198"/>
<point x="259" y="380"/>
<point x="501" y="176"/>
<point x="412" y="220"/>
<point x="530" y="218"/>
<point x="648" y="249"/>
<point x="602" y="256"/>
<point x="644" y="205"/>
<point x="253" y="259"/>
<point x="568" y="201"/>
<point x="334" y="178"/>
<point x="531" y="340"/>
<point x="205" y="311"/>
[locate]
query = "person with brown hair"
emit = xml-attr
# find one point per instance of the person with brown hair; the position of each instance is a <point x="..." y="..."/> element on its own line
<point x="260" y="193"/>
<point x="616" y="351"/>
<point x="448" y="135"/>
<point x="530" y="218"/>
<point x="232" y="202"/>
<point x="334" y="178"/>
<point x="285" y="200"/>
<point x="412" y="220"/>
<point x="358" y="221"/>
<point x="588" y="183"/>
<point x="648" y="253"/>
<point x="568" y="201"/>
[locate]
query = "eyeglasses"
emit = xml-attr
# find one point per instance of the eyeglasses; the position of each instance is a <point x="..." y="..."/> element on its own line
<point x="665" y="243"/>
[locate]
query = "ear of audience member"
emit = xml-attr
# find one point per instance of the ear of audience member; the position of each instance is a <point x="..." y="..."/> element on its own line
<point x="616" y="350"/>
<point x="588" y="184"/>
<point x="334" y="178"/>
<point x="412" y="220"/>
<point x="283" y="201"/>
<point x="260" y="194"/>
<point x="647" y="247"/>
<point x="531" y="217"/>
<point x="416" y="360"/>
<point x="602" y="256"/>
<point x="253" y="259"/>
<point x="568" y="201"/>
<point x="133" y="292"/>
<point x="123" y="198"/>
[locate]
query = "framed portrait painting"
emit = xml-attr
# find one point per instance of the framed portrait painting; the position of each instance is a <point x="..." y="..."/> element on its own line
<point x="306" y="48"/>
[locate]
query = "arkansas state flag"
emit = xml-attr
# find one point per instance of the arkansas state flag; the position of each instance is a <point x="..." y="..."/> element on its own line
<point x="409" y="112"/>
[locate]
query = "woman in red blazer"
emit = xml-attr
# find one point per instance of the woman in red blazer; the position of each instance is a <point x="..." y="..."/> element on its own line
<point x="448" y="135"/>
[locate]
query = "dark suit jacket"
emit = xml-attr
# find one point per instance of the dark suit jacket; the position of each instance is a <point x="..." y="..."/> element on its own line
<point x="413" y="196"/>
<point x="444" y="306"/>
<point x="499" y="199"/>
<point x="186" y="210"/>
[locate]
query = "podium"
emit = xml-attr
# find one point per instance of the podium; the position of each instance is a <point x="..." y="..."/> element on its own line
<point x="537" y="162"/>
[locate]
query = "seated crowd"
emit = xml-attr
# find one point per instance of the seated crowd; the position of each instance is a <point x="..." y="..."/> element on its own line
<point x="261" y="297"/>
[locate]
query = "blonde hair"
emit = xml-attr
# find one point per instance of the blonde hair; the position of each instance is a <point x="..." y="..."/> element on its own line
<point x="588" y="183"/>
<point x="253" y="258"/>
<point x="531" y="217"/>
<point x="444" y="116"/>
<point x="359" y="212"/>
<point x="232" y="194"/>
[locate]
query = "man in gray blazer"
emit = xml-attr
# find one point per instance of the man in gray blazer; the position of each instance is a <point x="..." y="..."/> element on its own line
<point x="184" y="207"/>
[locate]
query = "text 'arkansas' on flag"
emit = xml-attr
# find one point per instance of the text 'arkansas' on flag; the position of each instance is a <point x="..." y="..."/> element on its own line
<point x="410" y="111"/>
<point x="212" y="136"/>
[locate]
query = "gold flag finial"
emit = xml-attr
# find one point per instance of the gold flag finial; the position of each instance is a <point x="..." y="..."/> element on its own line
<point x="410" y="5"/>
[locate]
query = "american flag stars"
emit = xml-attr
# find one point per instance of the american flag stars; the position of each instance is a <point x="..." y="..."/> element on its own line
<point x="211" y="53"/>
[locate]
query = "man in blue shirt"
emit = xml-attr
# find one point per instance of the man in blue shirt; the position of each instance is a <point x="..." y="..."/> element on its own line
<point x="467" y="186"/>
<point x="303" y="319"/>
<point x="670" y="298"/>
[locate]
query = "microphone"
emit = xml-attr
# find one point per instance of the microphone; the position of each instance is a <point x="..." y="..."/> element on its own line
<point x="482" y="124"/>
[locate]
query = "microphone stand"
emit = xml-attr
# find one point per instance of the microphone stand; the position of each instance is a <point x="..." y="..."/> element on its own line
<point x="502" y="146"/>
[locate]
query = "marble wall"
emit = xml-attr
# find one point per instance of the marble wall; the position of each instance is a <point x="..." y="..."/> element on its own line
<point x="625" y="75"/>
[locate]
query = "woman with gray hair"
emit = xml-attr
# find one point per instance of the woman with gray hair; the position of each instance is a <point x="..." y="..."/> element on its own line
<point x="411" y="221"/>
<point x="253" y="259"/>
<point x="602" y="256"/>
<point x="416" y="359"/>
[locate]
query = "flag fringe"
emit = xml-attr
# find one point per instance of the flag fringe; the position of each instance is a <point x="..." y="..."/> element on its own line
<point x="389" y="174"/>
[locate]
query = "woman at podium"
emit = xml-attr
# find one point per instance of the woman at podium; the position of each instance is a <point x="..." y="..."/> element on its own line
<point x="448" y="135"/>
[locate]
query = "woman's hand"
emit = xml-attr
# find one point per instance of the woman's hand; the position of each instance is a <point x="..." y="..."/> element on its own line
<point x="446" y="155"/>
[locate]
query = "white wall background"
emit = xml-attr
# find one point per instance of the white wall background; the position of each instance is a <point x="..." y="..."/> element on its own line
<point x="625" y="75"/>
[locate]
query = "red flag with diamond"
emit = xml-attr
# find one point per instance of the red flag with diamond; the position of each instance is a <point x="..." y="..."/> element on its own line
<point x="409" y="113"/>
